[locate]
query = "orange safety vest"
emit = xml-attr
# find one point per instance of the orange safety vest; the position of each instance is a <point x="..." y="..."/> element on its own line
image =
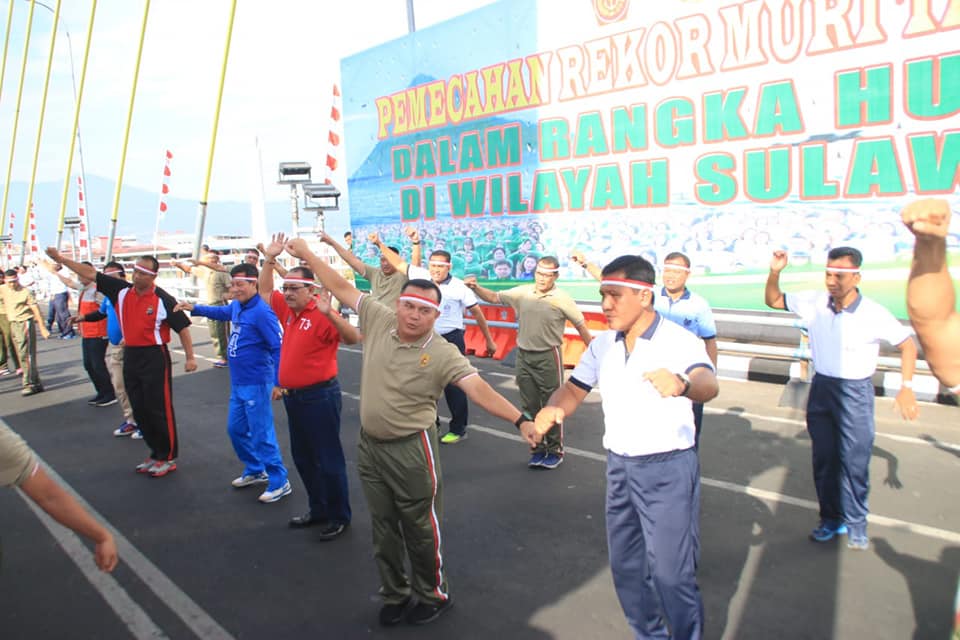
<point x="88" y="304"/>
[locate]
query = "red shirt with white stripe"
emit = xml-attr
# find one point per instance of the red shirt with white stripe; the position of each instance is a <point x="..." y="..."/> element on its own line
<point x="145" y="319"/>
<point x="308" y="352"/>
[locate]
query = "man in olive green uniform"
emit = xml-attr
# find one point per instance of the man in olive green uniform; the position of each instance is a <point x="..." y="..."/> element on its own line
<point x="385" y="282"/>
<point x="9" y="359"/>
<point x="24" y="317"/>
<point x="542" y="311"/>
<point x="214" y="279"/>
<point x="406" y="366"/>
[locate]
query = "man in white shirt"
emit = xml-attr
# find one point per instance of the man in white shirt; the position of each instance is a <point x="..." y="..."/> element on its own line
<point x="649" y="370"/>
<point x="59" y="304"/>
<point x="845" y="333"/>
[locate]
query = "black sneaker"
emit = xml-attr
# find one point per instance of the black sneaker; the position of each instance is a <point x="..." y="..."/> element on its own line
<point x="106" y="402"/>
<point x="426" y="612"/>
<point x="93" y="401"/>
<point x="332" y="531"/>
<point x="392" y="614"/>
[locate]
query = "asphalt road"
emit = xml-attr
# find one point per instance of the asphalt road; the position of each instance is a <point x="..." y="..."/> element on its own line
<point x="525" y="550"/>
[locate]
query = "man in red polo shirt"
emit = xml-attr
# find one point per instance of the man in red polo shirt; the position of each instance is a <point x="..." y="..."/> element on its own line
<point x="312" y="332"/>
<point x="146" y="316"/>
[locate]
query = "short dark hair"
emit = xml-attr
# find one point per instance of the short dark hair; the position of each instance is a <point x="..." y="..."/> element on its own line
<point x="633" y="268"/>
<point x="347" y="233"/>
<point x="440" y="253"/>
<point x="113" y="264"/>
<point x="673" y="255"/>
<point x="154" y="265"/>
<point x="87" y="262"/>
<point x="846" y="252"/>
<point x="420" y="283"/>
<point x="10" y="272"/>
<point x="394" y="249"/>
<point x="500" y="262"/>
<point x="245" y="269"/>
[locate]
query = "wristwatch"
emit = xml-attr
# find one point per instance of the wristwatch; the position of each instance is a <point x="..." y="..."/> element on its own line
<point x="524" y="417"/>
<point x="685" y="379"/>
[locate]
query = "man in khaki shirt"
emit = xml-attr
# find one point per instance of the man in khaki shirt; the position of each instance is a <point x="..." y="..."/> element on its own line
<point x="385" y="282"/>
<point x="24" y="317"/>
<point x="542" y="311"/>
<point x="215" y="280"/>
<point x="406" y="366"/>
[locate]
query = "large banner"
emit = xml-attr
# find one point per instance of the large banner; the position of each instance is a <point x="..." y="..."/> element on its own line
<point x="723" y="130"/>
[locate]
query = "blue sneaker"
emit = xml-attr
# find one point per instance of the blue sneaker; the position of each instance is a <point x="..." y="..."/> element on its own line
<point x="536" y="460"/>
<point x="551" y="461"/>
<point x="825" y="532"/>
<point x="859" y="542"/>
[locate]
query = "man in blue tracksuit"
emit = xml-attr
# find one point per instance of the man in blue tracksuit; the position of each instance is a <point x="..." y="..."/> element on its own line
<point x="254" y="353"/>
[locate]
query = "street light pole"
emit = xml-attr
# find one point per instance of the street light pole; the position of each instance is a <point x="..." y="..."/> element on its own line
<point x="76" y="100"/>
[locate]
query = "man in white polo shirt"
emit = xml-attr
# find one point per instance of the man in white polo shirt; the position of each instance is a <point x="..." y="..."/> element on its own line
<point x="649" y="370"/>
<point x="845" y="333"/>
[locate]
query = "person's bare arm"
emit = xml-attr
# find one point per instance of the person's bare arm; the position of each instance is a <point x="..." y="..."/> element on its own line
<point x="595" y="271"/>
<point x="772" y="294"/>
<point x="562" y="403"/>
<point x="342" y="290"/>
<point x="355" y="263"/>
<point x="703" y="384"/>
<point x="63" y="508"/>
<point x="186" y="341"/>
<point x="931" y="299"/>
<point x="584" y="332"/>
<point x="83" y="270"/>
<point x="482" y="394"/>
<point x="389" y="254"/>
<point x="270" y="252"/>
<point x="416" y="253"/>
<point x="183" y="265"/>
<point x="349" y="334"/>
<point x="38" y="318"/>
<point x="711" y="346"/>
<point x="477" y="314"/>
<point x="906" y="400"/>
<point x="482" y="292"/>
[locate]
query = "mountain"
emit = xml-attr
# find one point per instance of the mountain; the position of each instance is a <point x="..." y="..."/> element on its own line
<point x="138" y="211"/>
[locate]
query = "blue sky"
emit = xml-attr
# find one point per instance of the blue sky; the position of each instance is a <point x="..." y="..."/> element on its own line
<point x="284" y="58"/>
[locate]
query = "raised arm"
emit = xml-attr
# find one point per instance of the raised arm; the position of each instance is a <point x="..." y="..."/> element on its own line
<point x="270" y="252"/>
<point x="342" y="290"/>
<point x="578" y="257"/>
<point x="389" y="254"/>
<point x="70" y="282"/>
<point x="483" y="293"/>
<point x="772" y="294"/>
<point x="183" y="265"/>
<point x="477" y="314"/>
<point x="931" y="300"/>
<point x="355" y="263"/>
<point x="416" y="254"/>
<point x="349" y="334"/>
<point x="83" y="270"/>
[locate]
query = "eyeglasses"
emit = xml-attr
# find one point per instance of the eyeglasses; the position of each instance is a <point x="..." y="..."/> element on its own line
<point x="292" y="287"/>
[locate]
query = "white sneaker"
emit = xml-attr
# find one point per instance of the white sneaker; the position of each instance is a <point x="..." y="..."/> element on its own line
<point x="247" y="480"/>
<point x="276" y="494"/>
<point x="137" y="435"/>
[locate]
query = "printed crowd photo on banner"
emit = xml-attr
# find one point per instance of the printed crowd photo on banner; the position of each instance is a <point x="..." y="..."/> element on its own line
<point x="725" y="132"/>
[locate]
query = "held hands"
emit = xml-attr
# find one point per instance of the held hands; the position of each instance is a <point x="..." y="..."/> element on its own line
<point x="183" y="306"/>
<point x="665" y="382"/>
<point x="779" y="261"/>
<point x="529" y="432"/>
<point x="928" y="217"/>
<point x="546" y="419"/>
<point x="275" y="248"/>
<point x="906" y="404"/>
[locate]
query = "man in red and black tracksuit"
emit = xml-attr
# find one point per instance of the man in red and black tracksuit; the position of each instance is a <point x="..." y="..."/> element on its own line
<point x="146" y="316"/>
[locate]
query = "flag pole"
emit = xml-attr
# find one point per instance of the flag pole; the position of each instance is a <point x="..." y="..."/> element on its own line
<point x="202" y="212"/>
<point x="16" y="115"/>
<point x="43" y="112"/>
<point x="126" y="136"/>
<point x="3" y="75"/>
<point x="162" y="205"/>
<point x="78" y="97"/>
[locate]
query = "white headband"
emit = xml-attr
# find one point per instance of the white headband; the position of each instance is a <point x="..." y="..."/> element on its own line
<point x="137" y="267"/>
<point x="547" y="271"/>
<point x="245" y="278"/>
<point x="630" y="284"/>
<point x="409" y="297"/>
<point x="299" y="281"/>
<point x="843" y="270"/>
<point x="674" y="267"/>
<point x="440" y="263"/>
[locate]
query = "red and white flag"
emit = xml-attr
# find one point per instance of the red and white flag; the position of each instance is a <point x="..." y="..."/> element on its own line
<point x="10" y="244"/>
<point x="334" y="137"/>
<point x="84" y="228"/>
<point x="165" y="185"/>
<point x="34" y="244"/>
